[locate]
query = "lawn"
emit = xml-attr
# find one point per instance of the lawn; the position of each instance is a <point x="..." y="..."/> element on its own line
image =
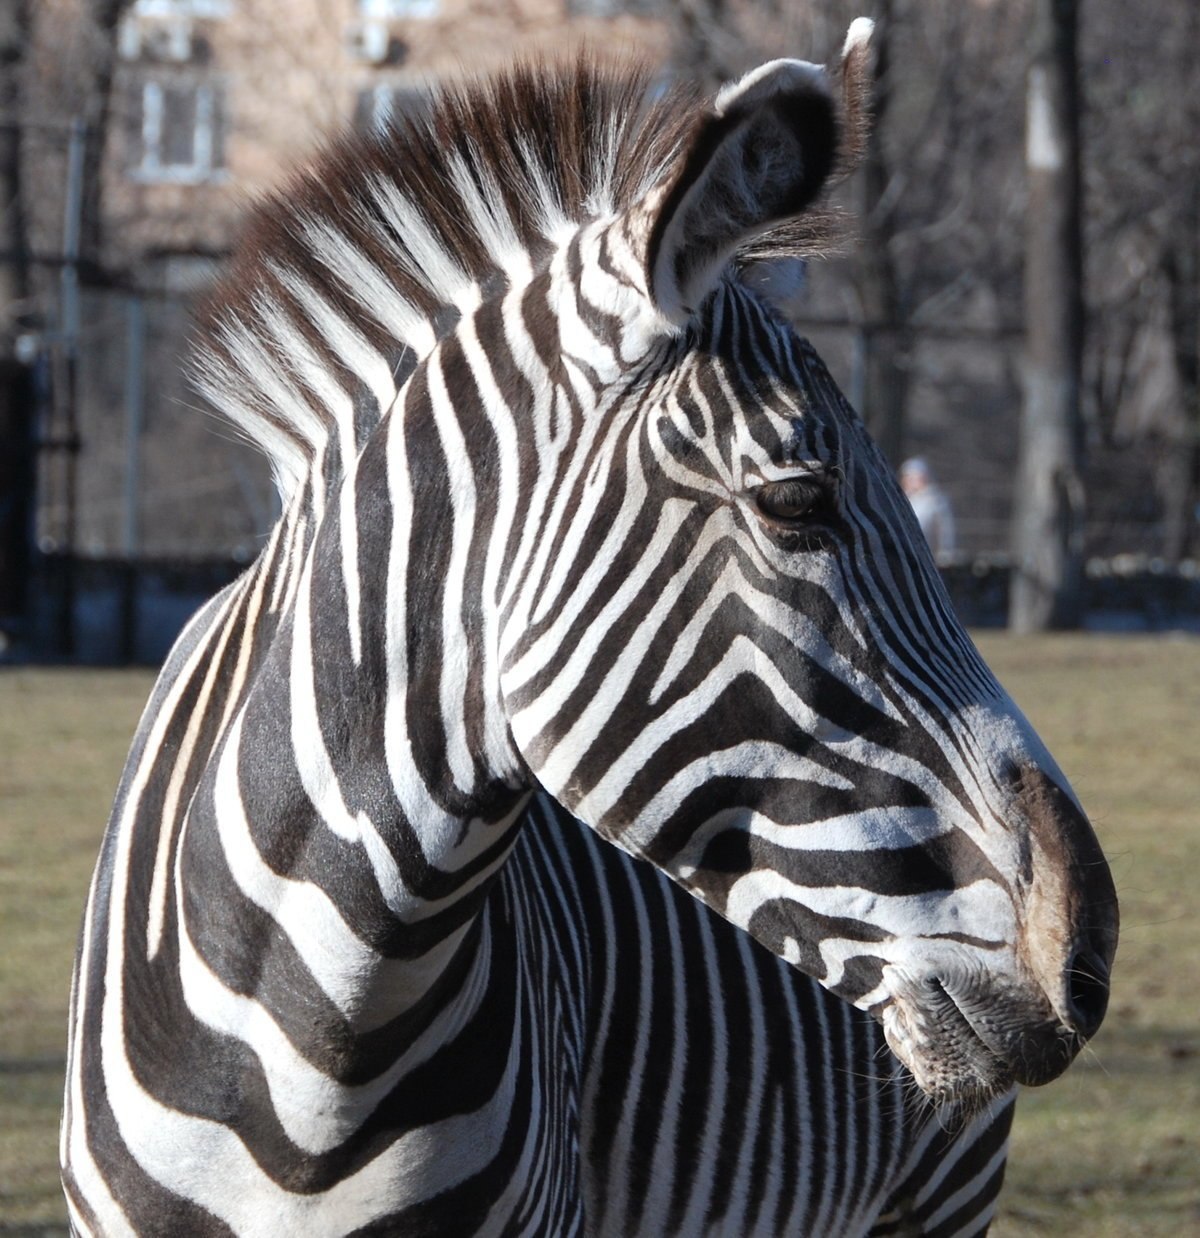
<point x="1111" y="1149"/>
<point x="63" y="738"/>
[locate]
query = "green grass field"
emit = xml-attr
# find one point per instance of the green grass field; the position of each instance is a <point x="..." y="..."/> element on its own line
<point x="1111" y="1149"/>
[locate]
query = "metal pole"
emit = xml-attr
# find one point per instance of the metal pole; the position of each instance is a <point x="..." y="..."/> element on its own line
<point x="72" y="231"/>
<point x="858" y="370"/>
<point x="135" y="406"/>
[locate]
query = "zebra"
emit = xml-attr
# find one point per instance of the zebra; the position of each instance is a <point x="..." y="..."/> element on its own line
<point x="586" y="815"/>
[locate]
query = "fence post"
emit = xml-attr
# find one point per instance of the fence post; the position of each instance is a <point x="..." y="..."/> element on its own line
<point x="72" y="231"/>
<point x="135" y="408"/>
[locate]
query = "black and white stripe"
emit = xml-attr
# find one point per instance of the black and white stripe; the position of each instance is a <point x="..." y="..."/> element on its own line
<point x="576" y="530"/>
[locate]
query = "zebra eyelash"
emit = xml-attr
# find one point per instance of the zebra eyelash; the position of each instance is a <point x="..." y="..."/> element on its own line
<point x="801" y="512"/>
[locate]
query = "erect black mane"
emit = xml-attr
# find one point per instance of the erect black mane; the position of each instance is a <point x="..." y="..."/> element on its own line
<point x="434" y="209"/>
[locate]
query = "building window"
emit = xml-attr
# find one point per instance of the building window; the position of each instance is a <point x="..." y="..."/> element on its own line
<point x="180" y="133"/>
<point x="168" y="30"/>
<point x="397" y="10"/>
<point x="379" y="106"/>
<point x="613" y="8"/>
<point x="182" y="8"/>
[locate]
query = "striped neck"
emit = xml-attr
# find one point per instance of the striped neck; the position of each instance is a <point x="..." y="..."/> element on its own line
<point x="402" y="780"/>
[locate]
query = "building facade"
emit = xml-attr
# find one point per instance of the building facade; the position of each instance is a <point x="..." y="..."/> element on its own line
<point x="215" y="100"/>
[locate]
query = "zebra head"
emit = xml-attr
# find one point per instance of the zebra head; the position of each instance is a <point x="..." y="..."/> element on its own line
<point x="679" y="587"/>
<point x="728" y="649"/>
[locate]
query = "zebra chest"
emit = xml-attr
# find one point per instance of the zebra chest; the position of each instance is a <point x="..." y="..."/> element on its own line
<point x="703" y="1085"/>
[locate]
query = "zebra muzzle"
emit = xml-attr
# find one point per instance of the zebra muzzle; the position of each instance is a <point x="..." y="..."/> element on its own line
<point x="973" y="1025"/>
<point x="1069" y="925"/>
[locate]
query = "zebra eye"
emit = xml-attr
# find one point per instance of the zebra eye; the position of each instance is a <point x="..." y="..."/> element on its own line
<point x="794" y="500"/>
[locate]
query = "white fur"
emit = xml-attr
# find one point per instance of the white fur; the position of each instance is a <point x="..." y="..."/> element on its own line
<point x="859" y="35"/>
<point x="776" y="77"/>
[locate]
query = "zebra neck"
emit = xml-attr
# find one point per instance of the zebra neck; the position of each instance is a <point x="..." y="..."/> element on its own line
<point x="370" y="776"/>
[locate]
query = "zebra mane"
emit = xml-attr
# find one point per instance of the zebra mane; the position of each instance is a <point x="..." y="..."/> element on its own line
<point x="346" y="278"/>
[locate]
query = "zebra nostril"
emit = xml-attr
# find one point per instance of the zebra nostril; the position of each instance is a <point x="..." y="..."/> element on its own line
<point x="1087" y="992"/>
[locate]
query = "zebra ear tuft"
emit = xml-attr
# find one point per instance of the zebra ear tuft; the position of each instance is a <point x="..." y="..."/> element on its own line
<point x="856" y="77"/>
<point x="759" y="156"/>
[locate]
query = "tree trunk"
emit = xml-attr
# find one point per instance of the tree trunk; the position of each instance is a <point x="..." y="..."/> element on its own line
<point x="106" y="16"/>
<point x="1048" y="507"/>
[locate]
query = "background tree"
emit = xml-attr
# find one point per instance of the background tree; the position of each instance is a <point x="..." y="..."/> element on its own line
<point x="1047" y="578"/>
<point x="919" y="315"/>
<point x="1143" y="256"/>
<point x="932" y="203"/>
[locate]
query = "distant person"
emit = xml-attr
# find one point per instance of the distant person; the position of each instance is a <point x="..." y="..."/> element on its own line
<point x="931" y="505"/>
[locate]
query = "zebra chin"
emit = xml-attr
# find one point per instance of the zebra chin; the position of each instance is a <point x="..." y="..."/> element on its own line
<point x="967" y="1046"/>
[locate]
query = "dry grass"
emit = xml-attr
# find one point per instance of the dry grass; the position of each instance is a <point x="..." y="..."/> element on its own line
<point x="1110" y="1150"/>
<point x="1113" y="1147"/>
<point x="63" y="738"/>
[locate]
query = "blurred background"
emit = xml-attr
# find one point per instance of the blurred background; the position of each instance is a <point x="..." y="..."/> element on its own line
<point x="1015" y="310"/>
<point x="1025" y="325"/>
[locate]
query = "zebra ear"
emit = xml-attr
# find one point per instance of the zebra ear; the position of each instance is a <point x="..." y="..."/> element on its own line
<point x="759" y="156"/>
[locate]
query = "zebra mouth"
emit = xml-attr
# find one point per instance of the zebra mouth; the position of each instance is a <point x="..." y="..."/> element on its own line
<point x="965" y="1049"/>
<point x="956" y="1065"/>
<point x="983" y="1072"/>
